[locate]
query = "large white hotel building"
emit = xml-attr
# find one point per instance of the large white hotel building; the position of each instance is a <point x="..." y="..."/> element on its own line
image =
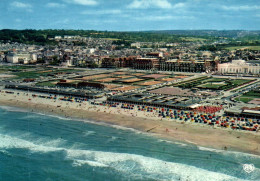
<point x="239" y="67"/>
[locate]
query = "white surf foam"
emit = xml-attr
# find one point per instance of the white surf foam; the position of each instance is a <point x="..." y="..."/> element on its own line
<point x="209" y="149"/>
<point x="87" y="133"/>
<point x="226" y="152"/>
<point x="78" y="163"/>
<point x="123" y="162"/>
<point x="149" y="166"/>
<point x="5" y="152"/>
<point x="13" y="109"/>
<point x="31" y="116"/>
<point x="173" y="142"/>
<point x="111" y="139"/>
<point x="54" y="116"/>
<point x="119" y="161"/>
<point x="9" y="142"/>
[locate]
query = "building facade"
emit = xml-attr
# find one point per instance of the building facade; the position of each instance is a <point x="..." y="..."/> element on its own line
<point x="121" y="62"/>
<point x="178" y="65"/>
<point x="146" y="63"/>
<point x="239" y="67"/>
<point x="22" y="58"/>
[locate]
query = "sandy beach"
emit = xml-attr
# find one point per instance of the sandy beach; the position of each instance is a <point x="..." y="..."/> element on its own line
<point x="200" y="135"/>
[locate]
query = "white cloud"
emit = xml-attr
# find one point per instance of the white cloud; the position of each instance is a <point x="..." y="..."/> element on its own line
<point x="55" y="5"/>
<point x="240" y="8"/>
<point x="179" y="5"/>
<point x="83" y="2"/>
<point x="102" y="12"/>
<point x="142" y="4"/>
<point x="165" y="17"/>
<point x="17" y="4"/>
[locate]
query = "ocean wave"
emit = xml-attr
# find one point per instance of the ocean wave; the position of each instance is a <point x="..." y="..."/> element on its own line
<point x="79" y="163"/>
<point x="31" y="116"/>
<point x="209" y="149"/>
<point x="13" y="109"/>
<point x="111" y="139"/>
<point x="5" y="152"/>
<point x="10" y="142"/>
<point x="54" y="116"/>
<point x="123" y="162"/>
<point x="226" y="152"/>
<point x="173" y="142"/>
<point x="127" y="129"/>
<point x="151" y="167"/>
<point x="87" y="133"/>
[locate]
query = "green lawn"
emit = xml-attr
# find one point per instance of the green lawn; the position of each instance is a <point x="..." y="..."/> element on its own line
<point x="215" y="83"/>
<point x="247" y="97"/>
<point x="36" y="74"/>
<point x="253" y="94"/>
<point x="216" y="80"/>
<point x="208" y="83"/>
<point x="211" y="86"/>
<point x="15" y="67"/>
<point x="239" y="81"/>
<point x="43" y="84"/>
<point x="244" y="99"/>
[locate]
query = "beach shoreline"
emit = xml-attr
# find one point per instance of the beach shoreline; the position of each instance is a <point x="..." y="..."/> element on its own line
<point x="204" y="136"/>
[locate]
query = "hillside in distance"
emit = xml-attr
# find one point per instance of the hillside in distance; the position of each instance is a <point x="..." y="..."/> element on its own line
<point x="215" y="33"/>
<point x="44" y="37"/>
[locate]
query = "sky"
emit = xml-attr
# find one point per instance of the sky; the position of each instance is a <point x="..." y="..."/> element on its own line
<point x="130" y="15"/>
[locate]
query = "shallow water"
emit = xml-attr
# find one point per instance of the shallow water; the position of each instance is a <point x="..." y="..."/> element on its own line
<point x="40" y="147"/>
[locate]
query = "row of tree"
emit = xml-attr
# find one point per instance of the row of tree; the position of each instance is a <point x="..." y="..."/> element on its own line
<point x="42" y="36"/>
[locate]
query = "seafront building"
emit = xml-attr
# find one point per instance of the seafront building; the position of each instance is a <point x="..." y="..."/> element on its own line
<point x="188" y="65"/>
<point x="239" y="67"/>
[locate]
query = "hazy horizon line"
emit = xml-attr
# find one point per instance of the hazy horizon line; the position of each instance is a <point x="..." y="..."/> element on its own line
<point x="133" y="30"/>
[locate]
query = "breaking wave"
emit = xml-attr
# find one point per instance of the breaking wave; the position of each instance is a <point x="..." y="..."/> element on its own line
<point x="122" y="162"/>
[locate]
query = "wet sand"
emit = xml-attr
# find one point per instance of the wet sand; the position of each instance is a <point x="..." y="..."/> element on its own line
<point x="200" y="135"/>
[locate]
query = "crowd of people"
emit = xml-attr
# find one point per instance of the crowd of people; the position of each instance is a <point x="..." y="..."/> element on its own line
<point x="203" y="114"/>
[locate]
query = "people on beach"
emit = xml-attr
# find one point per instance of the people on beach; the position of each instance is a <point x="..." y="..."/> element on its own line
<point x="205" y="115"/>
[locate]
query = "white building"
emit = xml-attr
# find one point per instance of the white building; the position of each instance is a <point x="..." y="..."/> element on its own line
<point x="239" y="67"/>
<point x="137" y="45"/>
<point x="23" y="58"/>
<point x="91" y="50"/>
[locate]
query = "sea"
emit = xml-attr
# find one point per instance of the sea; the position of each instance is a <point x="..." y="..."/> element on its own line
<point x="38" y="147"/>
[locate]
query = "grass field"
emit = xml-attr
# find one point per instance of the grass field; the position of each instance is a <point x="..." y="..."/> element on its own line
<point x="244" y="99"/>
<point x="211" y="86"/>
<point x="48" y="84"/>
<point x="212" y="83"/>
<point x="253" y="94"/>
<point x="15" y="67"/>
<point x="36" y="74"/>
<point x="247" y="97"/>
<point x="238" y="82"/>
<point x="216" y="80"/>
<point x="243" y="47"/>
